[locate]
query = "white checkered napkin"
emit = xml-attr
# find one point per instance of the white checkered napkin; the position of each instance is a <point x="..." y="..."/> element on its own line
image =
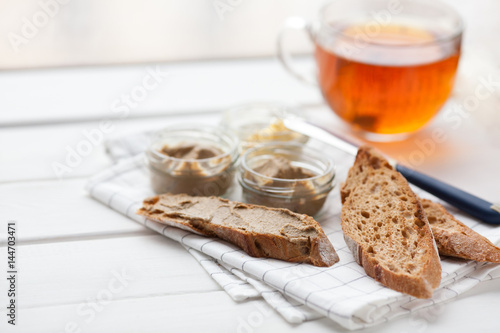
<point x="342" y="292"/>
<point x="238" y="289"/>
<point x="241" y="287"/>
<point x="294" y="311"/>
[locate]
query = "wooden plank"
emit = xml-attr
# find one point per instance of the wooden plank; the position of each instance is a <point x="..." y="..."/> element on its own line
<point x="465" y="149"/>
<point x="202" y="312"/>
<point x="93" y="93"/>
<point x="215" y="312"/>
<point x="31" y="152"/>
<point x="127" y="267"/>
<point x="60" y="210"/>
<point x="462" y="158"/>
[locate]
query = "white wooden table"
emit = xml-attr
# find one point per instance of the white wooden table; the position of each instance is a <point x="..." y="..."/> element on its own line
<point x="70" y="248"/>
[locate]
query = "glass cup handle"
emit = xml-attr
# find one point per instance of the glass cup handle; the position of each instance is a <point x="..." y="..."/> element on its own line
<point x="293" y="23"/>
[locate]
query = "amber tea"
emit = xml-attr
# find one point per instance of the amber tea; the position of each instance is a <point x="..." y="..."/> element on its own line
<point x="388" y="91"/>
<point x="385" y="67"/>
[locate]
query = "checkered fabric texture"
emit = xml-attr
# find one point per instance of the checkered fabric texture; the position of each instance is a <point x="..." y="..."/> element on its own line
<point x="298" y="292"/>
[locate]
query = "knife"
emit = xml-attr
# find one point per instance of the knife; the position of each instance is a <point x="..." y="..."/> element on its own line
<point x="477" y="207"/>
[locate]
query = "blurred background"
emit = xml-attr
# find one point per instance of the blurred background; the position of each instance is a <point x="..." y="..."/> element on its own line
<point x="56" y="33"/>
<point x="97" y="32"/>
<point x="96" y="49"/>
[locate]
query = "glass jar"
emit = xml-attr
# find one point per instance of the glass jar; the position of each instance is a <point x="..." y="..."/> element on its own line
<point x="262" y="122"/>
<point x="195" y="159"/>
<point x="286" y="175"/>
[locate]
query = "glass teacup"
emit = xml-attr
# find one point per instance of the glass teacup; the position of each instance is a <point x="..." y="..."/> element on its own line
<point x="385" y="67"/>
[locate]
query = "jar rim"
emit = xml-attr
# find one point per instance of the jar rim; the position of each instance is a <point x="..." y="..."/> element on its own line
<point x="223" y="133"/>
<point x="284" y="145"/>
<point x="286" y="193"/>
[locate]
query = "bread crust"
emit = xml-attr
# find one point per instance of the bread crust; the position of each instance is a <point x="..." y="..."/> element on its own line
<point x="368" y="165"/>
<point x="455" y="239"/>
<point x="320" y="251"/>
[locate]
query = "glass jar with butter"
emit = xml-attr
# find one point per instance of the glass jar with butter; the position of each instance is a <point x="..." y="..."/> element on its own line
<point x="261" y="122"/>
<point x="195" y="159"/>
<point x="286" y="175"/>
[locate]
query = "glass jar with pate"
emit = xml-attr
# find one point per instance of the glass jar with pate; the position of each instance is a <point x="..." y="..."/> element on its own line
<point x="193" y="159"/>
<point x="286" y="175"/>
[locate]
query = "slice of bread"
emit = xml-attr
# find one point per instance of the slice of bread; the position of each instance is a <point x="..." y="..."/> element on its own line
<point x="455" y="239"/>
<point x="260" y="231"/>
<point x="386" y="229"/>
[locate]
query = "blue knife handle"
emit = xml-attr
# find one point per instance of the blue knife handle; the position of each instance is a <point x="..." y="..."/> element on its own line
<point x="467" y="202"/>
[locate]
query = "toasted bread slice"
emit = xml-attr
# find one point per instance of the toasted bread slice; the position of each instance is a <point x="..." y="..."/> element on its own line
<point x="455" y="239"/>
<point x="386" y="229"/>
<point x="260" y="231"/>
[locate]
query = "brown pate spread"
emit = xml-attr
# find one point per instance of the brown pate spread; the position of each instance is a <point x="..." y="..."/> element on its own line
<point x="301" y="196"/>
<point x="193" y="168"/>
<point x="259" y="231"/>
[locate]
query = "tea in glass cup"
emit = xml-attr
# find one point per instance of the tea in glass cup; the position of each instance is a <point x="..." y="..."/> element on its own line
<point x="386" y="67"/>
